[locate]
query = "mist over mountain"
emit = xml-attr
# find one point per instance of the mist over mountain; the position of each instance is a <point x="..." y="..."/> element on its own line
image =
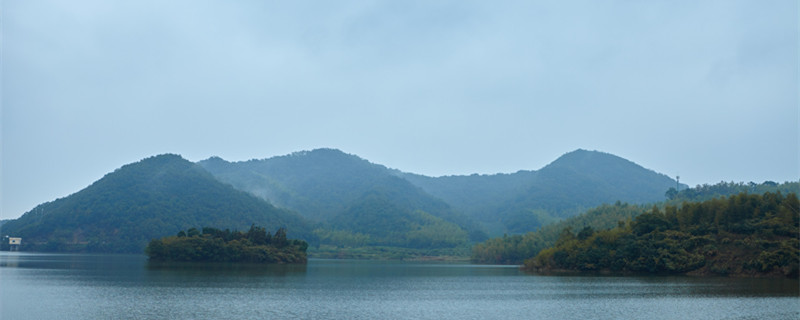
<point x="152" y="198"/>
<point x="478" y="196"/>
<point x="322" y="184"/>
<point x="318" y="184"/>
<point x="329" y="197"/>
<point x="581" y="180"/>
<point x="346" y="193"/>
<point x="525" y="200"/>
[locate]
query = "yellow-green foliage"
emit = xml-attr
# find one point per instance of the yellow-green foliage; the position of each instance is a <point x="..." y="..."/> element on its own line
<point x="516" y="248"/>
<point x="743" y="235"/>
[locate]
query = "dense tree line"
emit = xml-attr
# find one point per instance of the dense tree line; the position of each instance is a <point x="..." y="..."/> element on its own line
<point x="744" y="234"/>
<point x="215" y="245"/>
<point x="725" y="189"/>
<point x="515" y="249"/>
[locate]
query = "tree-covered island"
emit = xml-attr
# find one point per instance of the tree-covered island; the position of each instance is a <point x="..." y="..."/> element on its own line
<point x="215" y="245"/>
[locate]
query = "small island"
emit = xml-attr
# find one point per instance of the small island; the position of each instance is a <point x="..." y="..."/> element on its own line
<point x="215" y="245"/>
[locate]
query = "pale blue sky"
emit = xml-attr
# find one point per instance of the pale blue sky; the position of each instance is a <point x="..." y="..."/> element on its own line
<point x="704" y="89"/>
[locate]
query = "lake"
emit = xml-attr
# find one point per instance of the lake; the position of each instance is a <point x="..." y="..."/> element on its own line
<point x="53" y="286"/>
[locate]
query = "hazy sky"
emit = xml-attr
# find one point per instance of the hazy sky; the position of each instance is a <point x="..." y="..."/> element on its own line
<point x="704" y="89"/>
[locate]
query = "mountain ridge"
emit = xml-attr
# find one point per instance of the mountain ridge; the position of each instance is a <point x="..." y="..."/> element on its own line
<point x="504" y="202"/>
<point x="525" y="200"/>
<point x="330" y="197"/>
<point x="332" y="187"/>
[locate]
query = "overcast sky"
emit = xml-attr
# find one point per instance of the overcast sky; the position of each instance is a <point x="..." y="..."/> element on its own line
<point x="704" y="89"/>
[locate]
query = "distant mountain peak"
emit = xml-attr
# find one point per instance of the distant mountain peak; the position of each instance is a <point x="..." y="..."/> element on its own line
<point x="586" y="159"/>
<point x="323" y="151"/>
<point x="583" y="153"/>
<point x="157" y="163"/>
<point x="165" y="157"/>
<point x="327" y="153"/>
<point x="215" y="159"/>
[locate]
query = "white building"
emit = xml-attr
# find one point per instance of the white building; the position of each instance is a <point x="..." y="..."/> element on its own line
<point x="14" y="243"/>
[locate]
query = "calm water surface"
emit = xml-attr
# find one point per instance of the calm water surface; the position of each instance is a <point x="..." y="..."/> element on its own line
<point x="48" y="286"/>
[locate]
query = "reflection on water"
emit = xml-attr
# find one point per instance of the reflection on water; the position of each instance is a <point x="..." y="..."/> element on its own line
<point x="70" y="261"/>
<point x="52" y="286"/>
<point x="189" y="269"/>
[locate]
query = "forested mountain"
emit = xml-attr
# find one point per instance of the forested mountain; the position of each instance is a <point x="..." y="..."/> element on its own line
<point x="318" y="184"/>
<point x="589" y="178"/>
<point x="402" y="216"/>
<point x="744" y="234"/>
<point x="152" y="198"/>
<point x="523" y="201"/>
<point x="516" y="248"/>
<point x="328" y="186"/>
<point x="351" y="198"/>
<point x="323" y="184"/>
<point x="329" y="198"/>
<point x="477" y="196"/>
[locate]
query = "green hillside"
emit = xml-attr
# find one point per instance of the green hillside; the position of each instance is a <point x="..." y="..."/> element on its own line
<point x="331" y="199"/>
<point x="516" y="248"/>
<point x="353" y="200"/>
<point x="580" y="180"/>
<point x="742" y="235"/>
<point x="477" y="196"/>
<point x="326" y="185"/>
<point x="152" y="198"/>
<point x="526" y="200"/>
<point x="318" y="184"/>
<point x="397" y="217"/>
